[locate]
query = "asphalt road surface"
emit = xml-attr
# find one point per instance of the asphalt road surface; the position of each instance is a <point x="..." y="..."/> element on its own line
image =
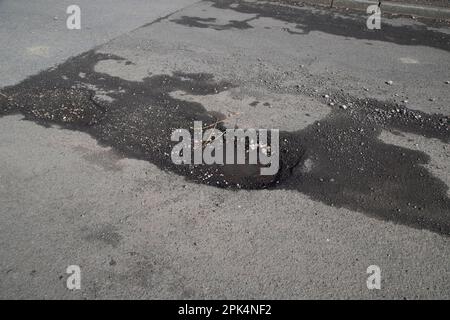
<point x="86" y="176"/>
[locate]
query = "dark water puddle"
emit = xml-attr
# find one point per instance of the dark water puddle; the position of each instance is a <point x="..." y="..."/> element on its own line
<point x="140" y="120"/>
<point x="351" y="167"/>
<point x="328" y="22"/>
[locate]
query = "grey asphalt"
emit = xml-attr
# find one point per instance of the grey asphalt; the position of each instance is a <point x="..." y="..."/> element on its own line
<point x="140" y="230"/>
<point x="34" y="34"/>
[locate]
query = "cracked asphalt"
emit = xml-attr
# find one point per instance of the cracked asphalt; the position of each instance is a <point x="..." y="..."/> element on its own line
<point x="86" y="177"/>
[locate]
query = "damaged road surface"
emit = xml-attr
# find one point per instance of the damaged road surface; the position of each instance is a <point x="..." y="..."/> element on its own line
<point x="364" y="160"/>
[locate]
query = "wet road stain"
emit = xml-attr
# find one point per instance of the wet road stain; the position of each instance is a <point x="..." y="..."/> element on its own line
<point x="329" y="22"/>
<point x="353" y="168"/>
<point x="348" y="166"/>
<point x="140" y="118"/>
<point x="212" y="23"/>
